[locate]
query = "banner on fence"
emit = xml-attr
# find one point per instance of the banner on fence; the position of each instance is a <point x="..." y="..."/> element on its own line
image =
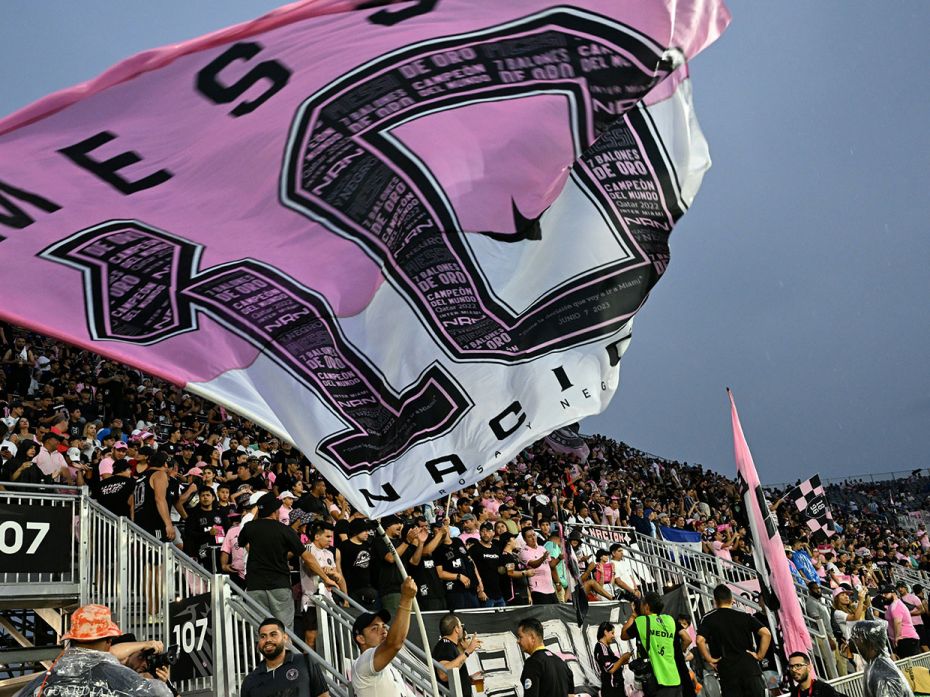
<point x="500" y="659"/>
<point x="35" y="539"/>
<point x="190" y="628"/>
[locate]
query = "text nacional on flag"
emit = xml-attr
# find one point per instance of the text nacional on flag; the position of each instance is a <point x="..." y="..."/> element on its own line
<point x="408" y="238"/>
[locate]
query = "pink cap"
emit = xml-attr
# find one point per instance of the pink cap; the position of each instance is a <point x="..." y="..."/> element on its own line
<point x="837" y="591"/>
<point x="106" y="466"/>
<point x="145" y="435"/>
<point x="195" y="472"/>
<point x="119" y="445"/>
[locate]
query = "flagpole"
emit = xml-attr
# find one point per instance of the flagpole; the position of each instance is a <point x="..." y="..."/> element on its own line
<point x="416" y="610"/>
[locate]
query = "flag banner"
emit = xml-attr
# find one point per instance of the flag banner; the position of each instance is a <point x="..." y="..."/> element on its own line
<point x="409" y="239"/>
<point x="810" y="500"/>
<point x="566" y="441"/>
<point x="776" y="584"/>
<point x="686" y="538"/>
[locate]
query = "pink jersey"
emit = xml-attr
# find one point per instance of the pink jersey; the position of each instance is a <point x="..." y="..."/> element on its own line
<point x="898" y="611"/>
<point x="541" y="580"/>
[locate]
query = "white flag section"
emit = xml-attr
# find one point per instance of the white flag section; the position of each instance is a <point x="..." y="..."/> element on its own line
<point x="409" y="240"/>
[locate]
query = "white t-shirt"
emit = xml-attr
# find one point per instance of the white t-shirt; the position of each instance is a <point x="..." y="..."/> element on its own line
<point x="368" y="683"/>
<point x="309" y="583"/>
<point x="623" y="570"/>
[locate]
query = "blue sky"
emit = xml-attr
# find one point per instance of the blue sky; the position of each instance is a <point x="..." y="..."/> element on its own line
<point x="799" y="277"/>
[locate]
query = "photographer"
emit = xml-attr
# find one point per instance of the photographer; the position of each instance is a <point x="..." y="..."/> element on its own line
<point x="87" y="663"/>
<point x="658" y="636"/>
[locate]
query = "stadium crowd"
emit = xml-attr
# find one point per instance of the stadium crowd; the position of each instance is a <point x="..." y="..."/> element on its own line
<point x="190" y="471"/>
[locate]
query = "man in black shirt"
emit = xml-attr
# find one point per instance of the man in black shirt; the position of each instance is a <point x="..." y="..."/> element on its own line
<point x="431" y="592"/>
<point x="799" y="668"/>
<point x="115" y="493"/>
<point x="486" y="555"/>
<point x="270" y="544"/>
<point x="389" y="578"/>
<point x="201" y="527"/>
<point x="453" y="649"/>
<point x="357" y="564"/>
<point x="298" y="677"/>
<point x="544" y="674"/>
<point x="727" y="641"/>
<point x="312" y="502"/>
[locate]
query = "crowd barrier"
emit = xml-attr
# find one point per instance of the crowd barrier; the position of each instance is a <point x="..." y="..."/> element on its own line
<point x="852" y="685"/>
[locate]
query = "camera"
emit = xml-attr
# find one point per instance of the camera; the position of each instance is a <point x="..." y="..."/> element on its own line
<point x="159" y="660"/>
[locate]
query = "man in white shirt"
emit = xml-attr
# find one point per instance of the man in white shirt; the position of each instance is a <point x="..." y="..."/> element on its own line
<point x="625" y="579"/>
<point x="372" y="673"/>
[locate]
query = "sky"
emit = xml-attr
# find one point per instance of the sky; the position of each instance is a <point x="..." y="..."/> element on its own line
<point x="799" y="278"/>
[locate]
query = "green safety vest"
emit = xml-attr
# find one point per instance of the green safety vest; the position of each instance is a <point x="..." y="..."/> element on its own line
<point x="661" y="643"/>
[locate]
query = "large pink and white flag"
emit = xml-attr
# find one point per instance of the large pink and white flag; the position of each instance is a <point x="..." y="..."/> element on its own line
<point x="768" y="549"/>
<point x="409" y="238"/>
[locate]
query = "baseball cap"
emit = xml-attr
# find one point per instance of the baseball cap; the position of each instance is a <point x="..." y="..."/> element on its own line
<point x="195" y="472"/>
<point x="468" y="516"/>
<point x="106" y="466"/>
<point x="357" y="525"/>
<point x="487" y="525"/>
<point x="296" y="514"/>
<point x="93" y="622"/>
<point x="387" y="522"/>
<point x="286" y="495"/>
<point x="120" y="445"/>
<point x="74" y="454"/>
<point x="256" y="497"/>
<point x="363" y="621"/>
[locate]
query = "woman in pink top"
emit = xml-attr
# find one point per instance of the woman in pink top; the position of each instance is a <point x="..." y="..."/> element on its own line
<point x="536" y="557"/>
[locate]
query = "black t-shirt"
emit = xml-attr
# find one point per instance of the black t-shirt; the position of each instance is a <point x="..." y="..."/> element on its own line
<point x="311" y="504"/>
<point x="516" y="590"/>
<point x="445" y="650"/>
<point x="296" y="677"/>
<point x="270" y="541"/>
<point x="197" y="525"/>
<point x="730" y="634"/>
<point x="818" y="688"/>
<point x="388" y="575"/>
<point x="113" y="493"/>
<point x="546" y="675"/>
<point x="455" y="560"/>
<point x="429" y="586"/>
<point x="356" y="565"/>
<point x="487" y="560"/>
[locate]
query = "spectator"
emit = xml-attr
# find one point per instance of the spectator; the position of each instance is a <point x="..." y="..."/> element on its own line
<point x="799" y="670"/>
<point x="486" y="556"/>
<point x="300" y="677"/>
<point x="904" y="637"/>
<point x="559" y="574"/>
<point x="816" y="608"/>
<point x="515" y="584"/>
<point x="388" y="574"/>
<point x="457" y="570"/>
<point x="115" y="487"/>
<point x="609" y="663"/>
<point x="421" y="564"/>
<point x="626" y="584"/>
<point x="232" y="555"/>
<point x="357" y="564"/>
<point x="87" y="663"/>
<point x="452" y="651"/>
<point x="536" y="558"/>
<point x="544" y="674"/>
<point x="844" y="615"/>
<point x="270" y="544"/>
<point x="203" y="527"/>
<point x="151" y="497"/>
<point x="372" y="673"/>
<point x="733" y="643"/>
<point x="50" y="460"/>
<point x="313" y="502"/>
<point x="881" y="678"/>
<point x="327" y="557"/>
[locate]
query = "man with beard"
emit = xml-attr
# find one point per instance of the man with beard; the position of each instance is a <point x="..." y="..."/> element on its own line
<point x="298" y="677"/>
<point x="799" y="668"/>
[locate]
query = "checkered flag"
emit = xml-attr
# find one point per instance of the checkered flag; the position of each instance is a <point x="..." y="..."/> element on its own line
<point x="810" y="500"/>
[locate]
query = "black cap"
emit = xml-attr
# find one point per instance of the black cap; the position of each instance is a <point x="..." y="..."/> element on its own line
<point x="487" y="525"/>
<point x="356" y="526"/>
<point x="888" y="588"/>
<point x="388" y="521"/>
<point x="366" y="618"/>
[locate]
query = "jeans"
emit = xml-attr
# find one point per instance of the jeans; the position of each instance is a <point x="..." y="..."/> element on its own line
<point x="494" y="602"/>
<point x="280" y="601"/>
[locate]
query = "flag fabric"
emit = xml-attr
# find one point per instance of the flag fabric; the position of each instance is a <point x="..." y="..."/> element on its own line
<point x="811" y="501"/>
<point x="409" y="238"/>
<point x="685" y="538"/>
<point x="767" y="547"/>
<point x="566" y="441"/>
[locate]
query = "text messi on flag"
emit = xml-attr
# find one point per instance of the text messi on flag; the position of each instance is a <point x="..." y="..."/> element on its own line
<point x="411" y="239"/>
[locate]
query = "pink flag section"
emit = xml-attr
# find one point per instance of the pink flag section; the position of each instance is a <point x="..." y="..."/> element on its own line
<point x="765" y="539"/>
<point x="409" y="238"/>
